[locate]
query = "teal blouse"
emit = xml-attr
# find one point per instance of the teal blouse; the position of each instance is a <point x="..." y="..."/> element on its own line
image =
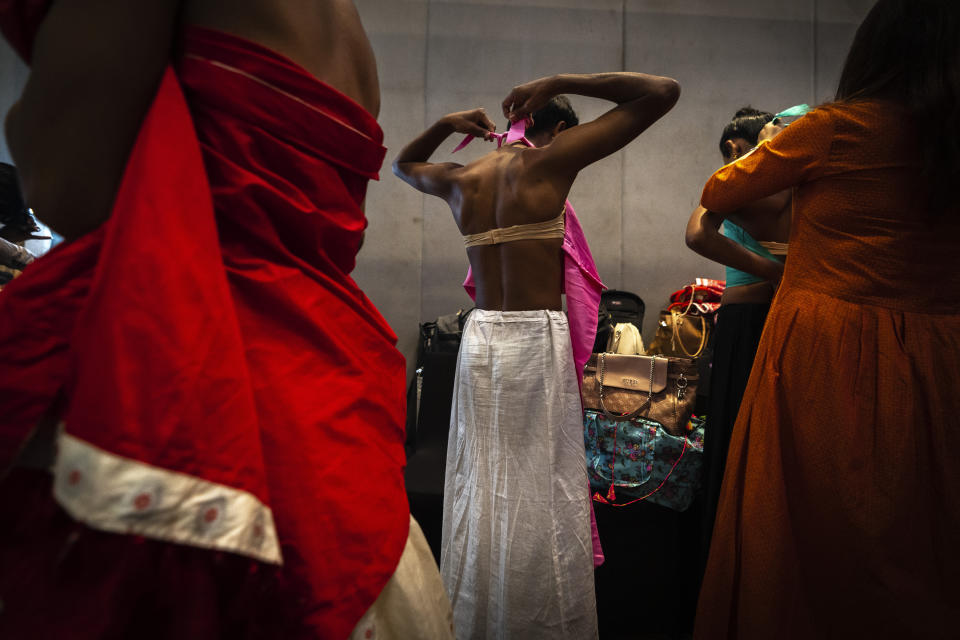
<point x="735" y="277"/>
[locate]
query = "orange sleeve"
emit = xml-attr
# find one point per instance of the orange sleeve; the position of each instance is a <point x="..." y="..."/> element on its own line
<point x="796" y="155"/>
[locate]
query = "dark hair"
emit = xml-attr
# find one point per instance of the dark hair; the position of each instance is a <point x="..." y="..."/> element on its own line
<point x="556" y="111"/>
<point x="747" y="124"/>
<point x="13" y="210"/>
<point x="908" y="51"/>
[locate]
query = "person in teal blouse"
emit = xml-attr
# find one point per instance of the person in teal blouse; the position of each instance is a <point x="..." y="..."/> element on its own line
<point x="751" y="246"/>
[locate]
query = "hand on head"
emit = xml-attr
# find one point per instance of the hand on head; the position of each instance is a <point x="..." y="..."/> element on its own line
<point x="770" y="131"/>
<point x="474" y="121"/>
<point x="527" y="98"/>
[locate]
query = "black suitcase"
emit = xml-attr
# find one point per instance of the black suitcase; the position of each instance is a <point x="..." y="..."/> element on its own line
<point x="429" y="400"/>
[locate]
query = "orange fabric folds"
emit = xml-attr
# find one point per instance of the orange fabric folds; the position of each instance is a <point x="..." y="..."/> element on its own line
<point x="840" y="510"/>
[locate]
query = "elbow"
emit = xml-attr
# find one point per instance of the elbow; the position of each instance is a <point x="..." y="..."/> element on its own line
<point x="400" y="170"/>
<point x="711" y="201"/>
<point x="668" y="93"/>
<point x="671" y="91"/>
<point x="695" y="240"/>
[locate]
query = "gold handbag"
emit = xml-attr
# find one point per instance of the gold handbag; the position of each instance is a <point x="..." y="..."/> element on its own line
<point x="626" y="387"/>
<point x="680" y="334"/>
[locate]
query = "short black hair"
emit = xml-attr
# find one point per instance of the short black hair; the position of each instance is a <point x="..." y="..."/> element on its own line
<point x="554" y="112"/>
<point x="13" y="209"/>
<point x="747" y="123"/>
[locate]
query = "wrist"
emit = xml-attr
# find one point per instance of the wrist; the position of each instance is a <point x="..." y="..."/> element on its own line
<point x="559" y="84"/>
<point x="444" y="125"/>
<point x="774" y="270"/>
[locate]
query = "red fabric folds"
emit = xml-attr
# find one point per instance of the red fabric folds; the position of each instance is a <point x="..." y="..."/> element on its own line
<point x="211" y="327"/>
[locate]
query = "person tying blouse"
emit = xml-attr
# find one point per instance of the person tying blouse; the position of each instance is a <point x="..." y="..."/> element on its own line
<point x="516" y="555"/>
<point x="752" y="275"/>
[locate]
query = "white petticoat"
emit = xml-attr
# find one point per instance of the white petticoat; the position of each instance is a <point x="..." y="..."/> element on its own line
<point x="517" y="557"/>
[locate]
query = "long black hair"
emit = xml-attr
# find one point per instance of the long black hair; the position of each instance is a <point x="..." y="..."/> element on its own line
<point x="908" y="51"/>
<point x="747" y="124"/>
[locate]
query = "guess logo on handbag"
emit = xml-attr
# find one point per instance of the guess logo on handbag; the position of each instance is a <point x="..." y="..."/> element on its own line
<point x="632" y="382"/>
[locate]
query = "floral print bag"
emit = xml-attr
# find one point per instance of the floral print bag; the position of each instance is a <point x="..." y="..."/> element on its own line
<point x="637" y="459"/>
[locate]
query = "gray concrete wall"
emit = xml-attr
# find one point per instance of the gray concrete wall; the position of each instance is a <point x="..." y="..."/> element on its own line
<point x="437" y="56"/>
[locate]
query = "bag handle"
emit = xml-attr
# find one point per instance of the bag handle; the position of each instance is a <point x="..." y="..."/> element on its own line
<point x="693" y="293"/>
<point x="633" y="414"/>
<point x="676" y="333"/>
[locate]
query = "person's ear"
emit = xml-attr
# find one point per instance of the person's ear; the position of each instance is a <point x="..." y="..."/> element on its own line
<point x="561" y="126"/>
<point x="730" y="150"/>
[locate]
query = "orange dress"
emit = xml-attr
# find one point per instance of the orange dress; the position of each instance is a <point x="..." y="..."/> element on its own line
<point x="839" y="515"/>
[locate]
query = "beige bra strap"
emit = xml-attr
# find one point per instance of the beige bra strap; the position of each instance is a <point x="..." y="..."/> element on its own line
<point x="776" y="248"/>
<point x="536" y="231"/>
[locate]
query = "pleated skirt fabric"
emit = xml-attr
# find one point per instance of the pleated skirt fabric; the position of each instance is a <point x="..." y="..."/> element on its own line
<point x="839" y="515"/>
<point x="516" y="554"/>
<point x="737" y="336"/>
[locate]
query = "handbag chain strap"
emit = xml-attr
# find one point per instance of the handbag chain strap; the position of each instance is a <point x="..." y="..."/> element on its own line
<point x="633" y="414"/>
<point x="611" y="496"/>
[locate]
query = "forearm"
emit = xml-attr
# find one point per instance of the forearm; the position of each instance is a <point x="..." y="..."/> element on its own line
<point x="795" y="156"/>
<point x="703" y="236"/>
<point x="412" y="164"/>
<point x="619" y="87"/>
<point x="423" y="146"/>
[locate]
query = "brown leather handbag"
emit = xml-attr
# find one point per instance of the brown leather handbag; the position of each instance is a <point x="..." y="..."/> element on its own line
<point x="625" y="387"/>
<point x="680" y="334"/>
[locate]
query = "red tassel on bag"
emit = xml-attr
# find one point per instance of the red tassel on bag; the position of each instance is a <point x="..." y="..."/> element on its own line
<point x="611" y="494"/>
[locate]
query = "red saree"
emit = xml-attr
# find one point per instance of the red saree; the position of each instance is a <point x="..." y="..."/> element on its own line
<point x="225" y="383"/>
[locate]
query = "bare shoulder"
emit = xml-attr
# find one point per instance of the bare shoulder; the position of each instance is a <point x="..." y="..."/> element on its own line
<point x="536" y="177"/>
<point x="326" y="37"/>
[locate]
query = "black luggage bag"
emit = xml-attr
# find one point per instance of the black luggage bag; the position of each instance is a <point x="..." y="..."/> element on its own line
<point x="429" y="400"/>
<point x="615" y="307"/>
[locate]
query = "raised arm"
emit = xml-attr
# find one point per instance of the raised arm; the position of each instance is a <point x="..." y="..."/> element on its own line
<point x="785" y="157"/>
<point x="412" y="166"/>
<point x="641" y="100"/>
<point x="703" y="236"/>
<point x="95" y="69"/>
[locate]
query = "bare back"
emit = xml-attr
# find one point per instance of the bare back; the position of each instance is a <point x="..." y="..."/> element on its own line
<point x="518" y="185"/>
<point x="502" y="189"/>
<point x="326" y="37"/>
